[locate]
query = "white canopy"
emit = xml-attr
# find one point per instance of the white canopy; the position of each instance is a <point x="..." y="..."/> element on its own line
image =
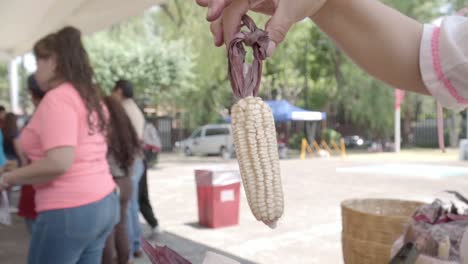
<point x="22" y="22"/>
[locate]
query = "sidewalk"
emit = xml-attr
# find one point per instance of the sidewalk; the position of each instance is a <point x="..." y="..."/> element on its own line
<point x="13" y="242"/>
<point x="309" y="232"/>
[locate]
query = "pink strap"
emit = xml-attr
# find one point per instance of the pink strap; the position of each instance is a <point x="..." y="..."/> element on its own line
<point x="247" y="84"/>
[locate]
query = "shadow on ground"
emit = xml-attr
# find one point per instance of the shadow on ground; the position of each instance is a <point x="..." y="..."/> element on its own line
<point x="14" y="242"/>
<point x="196" y="225"/>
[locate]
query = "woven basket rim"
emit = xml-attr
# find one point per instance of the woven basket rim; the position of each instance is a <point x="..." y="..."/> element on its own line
<point x="345" y="205"/>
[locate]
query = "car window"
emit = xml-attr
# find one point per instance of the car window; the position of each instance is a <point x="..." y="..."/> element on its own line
<point x="216" y="131"/>
<point x="196" y="134"/>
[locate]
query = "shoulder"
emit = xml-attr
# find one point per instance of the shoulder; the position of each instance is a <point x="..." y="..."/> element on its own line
<point x="64" y="94"/>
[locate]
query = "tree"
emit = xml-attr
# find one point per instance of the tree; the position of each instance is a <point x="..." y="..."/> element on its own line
<point x="302" y="69"/>
<point x="181" y="21"/>
<point x="168" y="53"/>
<point x="160" y="70"/>
<point x="4" y="84"/>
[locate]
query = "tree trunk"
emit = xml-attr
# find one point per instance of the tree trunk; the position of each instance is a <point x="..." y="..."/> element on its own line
<point x="406" y="126"/>
<point x="338" y="61"/>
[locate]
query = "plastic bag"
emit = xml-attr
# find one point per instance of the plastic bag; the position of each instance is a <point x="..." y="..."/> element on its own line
<point x="5" y="217"/>
<point x="436" y="225"/>
<point x="422" y="259"/>
<point x="437" y="230"/>
<point x="162" y="255"/>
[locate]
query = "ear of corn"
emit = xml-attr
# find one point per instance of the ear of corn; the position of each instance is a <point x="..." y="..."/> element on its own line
<point x="257" y="153"/>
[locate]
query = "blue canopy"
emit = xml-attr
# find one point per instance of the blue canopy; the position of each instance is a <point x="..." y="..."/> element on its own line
<point x="283" y="111"/>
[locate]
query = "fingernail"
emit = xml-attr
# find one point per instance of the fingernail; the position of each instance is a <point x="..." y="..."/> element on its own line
<point x="271" y="48"/>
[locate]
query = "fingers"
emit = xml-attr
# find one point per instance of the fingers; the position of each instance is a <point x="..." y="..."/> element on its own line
<point x="216" y="8"/>
<point x="232" y="17"/>
<point x="277" y="28"/>
<point x="216" y="28"/>
<point x="226" y="16"/>
<point x="203" y="3"/>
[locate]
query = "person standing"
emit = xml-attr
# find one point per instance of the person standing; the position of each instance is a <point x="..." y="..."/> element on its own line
<point x="123" y="92"/>
<point x="124" y="147"/>
<point x="76" y="197"/>
<point x="2" y="115"/>
<point x="10" y="141"/>
<point x="151" y="148"/>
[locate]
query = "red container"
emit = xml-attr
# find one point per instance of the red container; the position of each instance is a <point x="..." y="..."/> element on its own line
<point x="218" y="197"/>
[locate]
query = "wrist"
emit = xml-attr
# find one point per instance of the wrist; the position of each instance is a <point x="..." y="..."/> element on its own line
<point x="3" y="184"/>
<point x="6" y="180"/>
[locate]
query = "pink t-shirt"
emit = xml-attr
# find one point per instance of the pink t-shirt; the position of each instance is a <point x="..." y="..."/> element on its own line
<point x="61" y="120"/>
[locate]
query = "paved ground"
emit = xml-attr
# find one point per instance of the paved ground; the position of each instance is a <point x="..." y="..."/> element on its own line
<point x="310" y="229"/>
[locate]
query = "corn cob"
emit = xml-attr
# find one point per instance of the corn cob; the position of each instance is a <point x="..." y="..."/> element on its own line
<point x="257" y="153"/>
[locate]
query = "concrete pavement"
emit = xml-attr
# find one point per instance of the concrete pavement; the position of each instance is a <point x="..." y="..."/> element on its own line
<point x="310" y="229"/>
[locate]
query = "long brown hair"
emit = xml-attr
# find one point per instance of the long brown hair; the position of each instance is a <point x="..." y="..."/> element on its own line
<point x="10" y="127"/>
<point x="73" y="66"/>
<point x="122" y="139"/>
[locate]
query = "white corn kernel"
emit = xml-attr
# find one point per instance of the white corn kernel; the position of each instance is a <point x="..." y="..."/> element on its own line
<point x="257" y="153"/>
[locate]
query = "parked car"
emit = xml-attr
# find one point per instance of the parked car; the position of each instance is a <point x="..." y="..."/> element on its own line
<point x="354" y="142"/>
<point x="209" y="139"/>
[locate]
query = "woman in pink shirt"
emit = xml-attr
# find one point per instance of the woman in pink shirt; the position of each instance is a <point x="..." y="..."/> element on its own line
<point x="65" y="140"/>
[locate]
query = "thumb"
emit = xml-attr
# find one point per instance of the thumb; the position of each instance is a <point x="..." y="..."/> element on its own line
<point x="277" y="28"/>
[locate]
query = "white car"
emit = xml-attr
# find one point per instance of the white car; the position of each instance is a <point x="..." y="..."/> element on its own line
<point x="209" y="139"/>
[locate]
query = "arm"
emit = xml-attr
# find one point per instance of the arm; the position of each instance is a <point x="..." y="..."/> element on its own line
<point x="20" y="154"/>
<point x="55" y="164"/>
<point x="379" y="39"/>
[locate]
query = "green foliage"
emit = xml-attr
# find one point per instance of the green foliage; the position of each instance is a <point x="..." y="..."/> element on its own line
<point x="295" y="141"/>
<point x="184" y="21"/>
<point x="161" y="70"/>
<point x="3" y="81"/>
<point x="330" y="135"/>
<point x="169" y="55"/>
<point x="367" y="102"/>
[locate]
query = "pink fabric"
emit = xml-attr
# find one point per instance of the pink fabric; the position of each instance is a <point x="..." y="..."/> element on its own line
<point x="61" y="120"/>
<point x="440" y="72"/>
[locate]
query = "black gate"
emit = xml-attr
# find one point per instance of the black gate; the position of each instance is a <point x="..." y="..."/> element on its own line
<point x="164" y="126"/>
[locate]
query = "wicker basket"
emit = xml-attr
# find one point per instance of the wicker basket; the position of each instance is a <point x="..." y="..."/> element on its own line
<point x="371" y="226"/>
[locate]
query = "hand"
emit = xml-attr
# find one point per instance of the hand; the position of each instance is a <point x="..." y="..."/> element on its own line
<point x="3" y="182"/>
<point x="225" y="16"/>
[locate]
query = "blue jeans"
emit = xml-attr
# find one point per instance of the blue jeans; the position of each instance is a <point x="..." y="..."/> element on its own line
<point x="74" y="235"/>
<point x="133" y="222"/>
